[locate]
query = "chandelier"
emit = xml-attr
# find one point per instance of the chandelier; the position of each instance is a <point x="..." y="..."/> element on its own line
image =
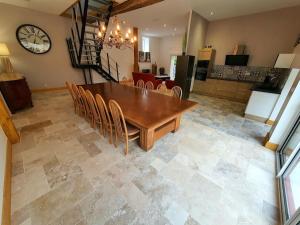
<point x="116" y="37"/>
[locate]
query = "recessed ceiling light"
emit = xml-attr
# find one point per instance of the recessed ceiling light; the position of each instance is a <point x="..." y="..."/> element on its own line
<point x="165" y="25"/>
<point x="212" y="13"/>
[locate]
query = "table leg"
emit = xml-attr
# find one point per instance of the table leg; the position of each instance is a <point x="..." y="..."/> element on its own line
<point x="146" y="139"/>
<point x="177" y="123"/>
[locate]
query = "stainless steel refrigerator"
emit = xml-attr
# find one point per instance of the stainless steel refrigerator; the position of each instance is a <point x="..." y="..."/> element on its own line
<point x="184" y="74"/>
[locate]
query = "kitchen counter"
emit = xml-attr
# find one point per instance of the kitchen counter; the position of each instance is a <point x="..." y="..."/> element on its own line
<point x="261" y="104"/>
<point x="236" y="80"/>
<point x="232" y="90"/>
<point x="267" y="89"/>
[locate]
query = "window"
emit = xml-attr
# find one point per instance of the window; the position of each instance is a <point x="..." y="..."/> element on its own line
<point x="146" y="44"/>
<point x="289" y="176"/>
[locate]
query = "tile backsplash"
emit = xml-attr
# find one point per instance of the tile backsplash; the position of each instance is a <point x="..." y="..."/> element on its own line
<point x="246" y="73"/>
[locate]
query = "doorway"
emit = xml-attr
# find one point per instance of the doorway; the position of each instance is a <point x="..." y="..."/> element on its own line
<point x="173" y="67"/>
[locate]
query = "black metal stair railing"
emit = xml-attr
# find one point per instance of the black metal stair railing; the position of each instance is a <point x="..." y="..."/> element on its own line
<point x="84" y="49"/>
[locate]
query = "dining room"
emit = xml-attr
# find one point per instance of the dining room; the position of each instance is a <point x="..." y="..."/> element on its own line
<point x="171" y="170"/>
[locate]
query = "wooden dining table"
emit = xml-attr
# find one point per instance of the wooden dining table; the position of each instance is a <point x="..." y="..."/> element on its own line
<point x="153" y="113"/>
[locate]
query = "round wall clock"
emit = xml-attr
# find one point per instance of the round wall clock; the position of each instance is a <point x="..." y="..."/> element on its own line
<point x="33" y="39"/>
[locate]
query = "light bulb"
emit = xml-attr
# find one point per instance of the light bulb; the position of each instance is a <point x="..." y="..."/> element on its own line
<point x="103" y="28"/>
<point x="127" y="35"/>
<point x="132" y="41"/>
<point x="99" y="34"/>
<point x="116" y="32"/>
<point x="134" y="38"/>
<point x="129" y="31"/>
<point x="118" y="27"/>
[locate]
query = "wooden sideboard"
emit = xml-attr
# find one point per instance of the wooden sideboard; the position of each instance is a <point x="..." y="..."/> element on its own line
<point x="232" y="90"/>
<point x="15" y="92"/>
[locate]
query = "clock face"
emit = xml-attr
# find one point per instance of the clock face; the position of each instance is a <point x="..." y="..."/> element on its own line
<point x="33" y="39"/>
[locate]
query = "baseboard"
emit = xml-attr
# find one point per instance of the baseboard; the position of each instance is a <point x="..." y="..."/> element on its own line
<point x="6" y="208"/>
<point x="269" y="144"/>
<point x="256" y="118"/>
<point x="270" y="122"/>
<point x="48" y="89"/>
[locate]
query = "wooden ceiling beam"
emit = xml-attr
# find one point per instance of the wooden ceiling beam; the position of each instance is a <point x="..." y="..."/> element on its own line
<point x="130" y="5"/>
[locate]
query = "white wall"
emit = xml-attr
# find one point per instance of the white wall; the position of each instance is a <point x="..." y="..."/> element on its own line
<point x="3" y="143"/>
<point x="154" y="50"/>
<point x="42" y="71"/>
<point x="288" y="116"/>
<point x="284" y="94"/>
<point x="162" y="48"/>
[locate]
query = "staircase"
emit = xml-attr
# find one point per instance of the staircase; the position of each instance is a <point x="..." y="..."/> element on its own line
<point x="86" y="53"/>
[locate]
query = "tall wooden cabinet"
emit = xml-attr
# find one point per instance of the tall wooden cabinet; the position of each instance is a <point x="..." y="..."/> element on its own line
<point x="206" y="58"/>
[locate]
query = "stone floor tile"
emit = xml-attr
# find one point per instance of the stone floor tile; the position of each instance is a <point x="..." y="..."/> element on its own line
<point x="176" y="214"/>
<point x="213" y="170"/>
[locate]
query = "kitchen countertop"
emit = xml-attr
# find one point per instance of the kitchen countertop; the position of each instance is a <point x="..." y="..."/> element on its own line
<point x="236" y="80"/>
<point x="266" y="89"/>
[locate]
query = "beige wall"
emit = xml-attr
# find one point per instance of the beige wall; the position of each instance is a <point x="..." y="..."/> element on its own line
<point x="42" y="71"/>
<point x="196" y="33"/>
<point x="169" y="46"/>
<point x="3" y="143"/>
<point x="265" y="35"/>
<point x="197" y="29"/>
<point x="296" y="62"/>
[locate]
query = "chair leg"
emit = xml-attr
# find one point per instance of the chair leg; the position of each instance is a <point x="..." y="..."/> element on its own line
<point x="110" y="135"/>
<point x="126" y="146"/>
<point x="116" y="140"/>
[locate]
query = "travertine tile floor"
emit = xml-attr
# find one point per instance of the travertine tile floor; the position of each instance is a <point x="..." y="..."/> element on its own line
<point x="64" y="173"/>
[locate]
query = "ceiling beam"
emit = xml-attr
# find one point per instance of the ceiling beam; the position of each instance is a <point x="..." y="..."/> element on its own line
<point x="130" y="5"/>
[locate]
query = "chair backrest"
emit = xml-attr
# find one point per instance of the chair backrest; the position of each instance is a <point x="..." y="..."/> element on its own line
<point x="104" y="113"/>
<point x="84" y="99"/>
<point x="71" y="91"/>
<point x="140" y="84"/>
<point x="149" y="85"/>
<point x="162" y="87"/>
<point x="77" y="94"/>
<point x="177" y="91"/>
<point x="92" y="104"/>
<point x="118" y="118"/>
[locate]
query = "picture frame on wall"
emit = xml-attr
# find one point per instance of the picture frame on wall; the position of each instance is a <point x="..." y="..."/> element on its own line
<point x="141" y="56"/>
<point x="144" y="57"/>
<point x="147" y="57"/>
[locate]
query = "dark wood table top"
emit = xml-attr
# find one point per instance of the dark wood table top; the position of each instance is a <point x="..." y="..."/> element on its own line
<point x="142" y="108"/>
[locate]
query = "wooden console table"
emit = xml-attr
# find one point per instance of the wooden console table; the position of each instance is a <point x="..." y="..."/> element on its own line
<point x="15" y="91"/>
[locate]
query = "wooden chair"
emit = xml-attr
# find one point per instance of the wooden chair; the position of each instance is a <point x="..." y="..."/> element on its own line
<point x="177" y="92"/>
<point x="162" y="87"/>
<point x="149" y="85"/>
<point x="73" y="96"/>
<point x="88" y="112"/>
<point x="105" y="117"/>
<point x="81" y="106"/>
<point x="96" y="118"/>
<point x="123" y="131"/>
<point x="140" y="84"/>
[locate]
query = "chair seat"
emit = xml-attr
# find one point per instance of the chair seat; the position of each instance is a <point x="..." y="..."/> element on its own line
<point x="132" y="130"/>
